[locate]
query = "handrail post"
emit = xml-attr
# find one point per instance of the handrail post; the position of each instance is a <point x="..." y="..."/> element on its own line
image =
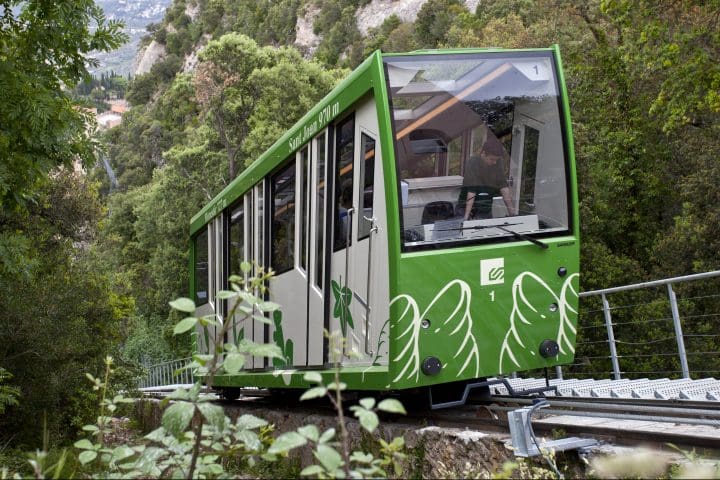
<point x="558" y="372"/>
<point x="611" y="337"/>
<point x="678" y="332"/>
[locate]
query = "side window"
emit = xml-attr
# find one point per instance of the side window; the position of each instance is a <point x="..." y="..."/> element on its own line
<point x="201" y="268"/>
<point x="304" y="195"/>
<point x="367" y="175"/>
<point x="260" y="223"/>
<point x="345" y="148"/>
<point x="237" y="238"/>
<point x="529" y="168"/>
<point x="282" y="235"/>
<point x="320" y="209"/>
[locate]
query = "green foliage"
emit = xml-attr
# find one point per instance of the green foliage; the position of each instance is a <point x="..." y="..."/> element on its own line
<point x="434" y="20"/>
<point x="45" y="46"/>
<point x="58" y="317"/>
<point x="8" y="393"/>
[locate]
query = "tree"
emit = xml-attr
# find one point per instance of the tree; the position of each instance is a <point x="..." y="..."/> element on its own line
<point x="43" y="49"/>
<point x="58" y="317"/>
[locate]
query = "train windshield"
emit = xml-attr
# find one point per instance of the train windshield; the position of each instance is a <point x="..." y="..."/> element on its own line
<point x="479" y="146"/>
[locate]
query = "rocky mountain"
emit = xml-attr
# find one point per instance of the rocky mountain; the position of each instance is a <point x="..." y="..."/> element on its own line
<point x="137" y="15"/>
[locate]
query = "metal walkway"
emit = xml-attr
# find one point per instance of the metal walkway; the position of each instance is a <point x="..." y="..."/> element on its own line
<point x="706" y="389"/>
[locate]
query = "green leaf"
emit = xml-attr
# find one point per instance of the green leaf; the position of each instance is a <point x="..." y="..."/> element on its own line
<point x="177" y="417"/>
<point x="262" y="319"/>
<point x="310" y="432"/>
<point x="156" y="435"/>
<point x="90" y="428"/>
<point x="250" y="422"/>
<point x="84" y="444"/>
<point x="312" y="377"/>
<point x="87" y="456"/>
<point x="328" y="457"/>
<point x="264" y="350"/>
<point x="361" y="457"/>
<point x="334" y="386"/>
<point x="268" y="306"/>
<point x="315" y="392"/>
<point x="368" y="403"/>
<point x="233" y="363"/>
<point x="392" y="405"/>
<point x="245" y="267"/>
<point x="214" y="414"/>
<point x="287" y="441"/>
<point x="122" y="452"/>
<point x="311" y="470"/>
<point x="235" y="279"/>
<point x="249" y="439"/>
<point x="183" y="304"/>
<point x="179" y="394"/>
<point x="184" y="325"/>
<point x="327" y="435"/>
<point x="368" y="419"/>
<point x="226" y="294"/>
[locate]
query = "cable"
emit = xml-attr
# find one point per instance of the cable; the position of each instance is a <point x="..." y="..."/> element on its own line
<point x="538" y="404"/>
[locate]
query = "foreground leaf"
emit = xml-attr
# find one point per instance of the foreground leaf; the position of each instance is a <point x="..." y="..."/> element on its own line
<point x="183" y="304"/>
<point x="184" y="325"/>
<point x="177" y="417"/>
<point x="87" y="456"/>
<point x="328" y="457"/>
<point x="392" y="405"/>
<point x="287" y="441"/>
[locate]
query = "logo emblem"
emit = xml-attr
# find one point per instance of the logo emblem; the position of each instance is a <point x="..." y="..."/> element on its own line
<point x="492" y="271"/>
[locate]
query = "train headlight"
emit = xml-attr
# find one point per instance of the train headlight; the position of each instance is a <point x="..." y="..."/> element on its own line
<point x="549" y="349"/>
<point x="431" y="366"/>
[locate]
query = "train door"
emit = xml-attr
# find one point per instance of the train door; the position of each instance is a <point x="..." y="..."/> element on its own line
<point x="317" y="235"/>
<point x="202" y="251"/>
<point x="526" y="144"/>
<point x="288" y="258"/>
<point x="258" y="229"/>
<point x="358" y="283"/>
<point x="209" y="280"/>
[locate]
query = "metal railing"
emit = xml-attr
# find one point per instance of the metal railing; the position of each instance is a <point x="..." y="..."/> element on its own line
<point x="660" y="328"/>
<point x="172" y="372"/>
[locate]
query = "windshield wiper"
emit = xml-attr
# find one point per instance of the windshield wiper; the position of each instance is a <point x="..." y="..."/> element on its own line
<point x="522" y="236"/>
<point x="519" y="236"/>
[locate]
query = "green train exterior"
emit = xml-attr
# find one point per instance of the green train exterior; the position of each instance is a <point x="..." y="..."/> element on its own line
<point x="359" y="210"/>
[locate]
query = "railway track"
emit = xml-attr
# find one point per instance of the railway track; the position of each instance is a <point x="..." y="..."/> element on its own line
<point x="688" y="424"/>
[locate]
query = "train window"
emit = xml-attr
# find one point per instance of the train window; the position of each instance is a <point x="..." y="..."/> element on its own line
<point x="344" y="157"/>
<point x="282" y="235"/>
<point x="304" y="195"/>
<point x="237" y="239"/>
<point x="202" y="275"/>
<point x="260" y="223"/>
<point x="480" y="147"/>
<point x="529" y="167"/>
<point x="367" y="176"/>
<point x="320" y="209"/>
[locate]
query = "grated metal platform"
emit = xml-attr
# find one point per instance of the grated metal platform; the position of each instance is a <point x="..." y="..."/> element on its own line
<point x="706" y="389"/>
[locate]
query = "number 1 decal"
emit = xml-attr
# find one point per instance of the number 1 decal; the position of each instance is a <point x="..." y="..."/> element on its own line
<point x="492" y="295"/>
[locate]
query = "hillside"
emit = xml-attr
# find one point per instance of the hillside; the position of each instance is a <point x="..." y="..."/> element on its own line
<point x="137" y="15"/>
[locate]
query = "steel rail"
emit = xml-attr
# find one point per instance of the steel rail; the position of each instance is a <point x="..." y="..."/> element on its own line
<point x="659" y="407"/>
<point x="619" y="416"/>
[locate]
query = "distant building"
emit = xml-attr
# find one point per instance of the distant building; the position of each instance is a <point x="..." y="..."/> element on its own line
<point x="109" y="119"/>
<point x="118" y="106"/>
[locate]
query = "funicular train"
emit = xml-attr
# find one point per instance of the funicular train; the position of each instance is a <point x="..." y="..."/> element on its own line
<point x="427" y="209"/>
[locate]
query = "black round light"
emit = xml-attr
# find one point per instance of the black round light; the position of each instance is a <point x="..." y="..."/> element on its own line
<point x="431" y="366"/>
<point x="549" y="349"/>
<point x="562" y="271"/>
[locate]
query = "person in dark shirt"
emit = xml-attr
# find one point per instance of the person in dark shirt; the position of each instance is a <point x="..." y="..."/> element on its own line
<point x="484" y="178"/>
